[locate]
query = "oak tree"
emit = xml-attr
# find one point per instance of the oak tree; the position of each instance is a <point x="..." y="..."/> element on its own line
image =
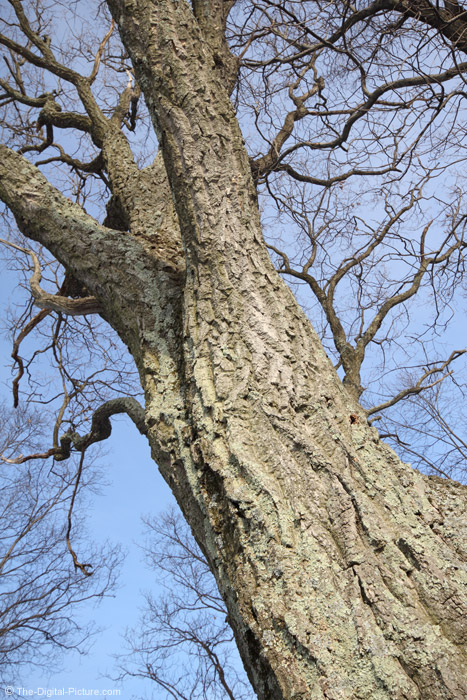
<point x="342" y="567"/>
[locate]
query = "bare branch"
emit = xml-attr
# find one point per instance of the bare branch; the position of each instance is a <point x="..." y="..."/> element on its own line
<point x="419" y="386"/>
<point x="32" y="323"/>
<point x="22" y="459"/>
<point x="101" y="48"/>
<point x="101" y="426"/>
<point x="54" y="302"/>
<point x="84" y="568"/>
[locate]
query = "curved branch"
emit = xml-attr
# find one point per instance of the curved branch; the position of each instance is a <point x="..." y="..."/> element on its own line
<point x="425" y="263"/>
<point x="48" y="61"/>
<point x="37" y="455"/>
<point x="52" y="114"/>
<point x="18" y="96"/>
<point x="32" y="323"/>
<point x="101" y="427"/>
<point x="97" y="60"/>
<point x="54" y="302"/>
<point x="450" y="21"/>
<point x="323" y="182"/>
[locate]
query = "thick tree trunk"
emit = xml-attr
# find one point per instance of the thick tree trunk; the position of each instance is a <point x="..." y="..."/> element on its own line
<point x="342" y="568"/>
<point x="331" y="553"/>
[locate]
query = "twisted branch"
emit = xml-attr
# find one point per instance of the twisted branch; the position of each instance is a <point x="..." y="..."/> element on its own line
<point x="101" y="427"/>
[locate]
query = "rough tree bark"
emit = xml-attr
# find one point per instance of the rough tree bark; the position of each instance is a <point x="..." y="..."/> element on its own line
<point x="342" y="568"/>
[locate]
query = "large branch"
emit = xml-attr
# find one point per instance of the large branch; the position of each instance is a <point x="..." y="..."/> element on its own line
<point x="135" y="193"/>
<point x="77" y="240"/>
<point x="212" y="16"/>
<point x="45" y="215"/>
<point x="134" y="278"/>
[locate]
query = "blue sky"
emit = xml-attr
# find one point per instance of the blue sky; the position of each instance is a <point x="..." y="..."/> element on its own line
<point x="135" y="488"/>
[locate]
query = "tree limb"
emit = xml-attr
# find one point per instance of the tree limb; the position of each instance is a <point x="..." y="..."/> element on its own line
<point x="54" y="302"/>
<point x="101" y="427"/>
<point x="419" y="386"/>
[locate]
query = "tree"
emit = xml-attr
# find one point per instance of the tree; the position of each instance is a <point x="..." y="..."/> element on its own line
<point x="340" y="566"/>
<point x="40" y="587"/>
<point x="183" y="642"/>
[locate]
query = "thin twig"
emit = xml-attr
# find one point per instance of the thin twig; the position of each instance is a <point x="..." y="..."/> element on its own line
<point x="78" y="565"/>
<point x="419" y="387"/>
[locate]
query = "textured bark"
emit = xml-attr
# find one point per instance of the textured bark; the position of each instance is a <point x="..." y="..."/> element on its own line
<point x="342" y="568"/>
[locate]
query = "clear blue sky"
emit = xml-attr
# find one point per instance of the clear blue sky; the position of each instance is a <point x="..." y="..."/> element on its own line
<point x="135" y="489"/>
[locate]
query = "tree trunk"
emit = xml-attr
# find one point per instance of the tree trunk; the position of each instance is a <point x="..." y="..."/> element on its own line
<point x="342" y="568"/>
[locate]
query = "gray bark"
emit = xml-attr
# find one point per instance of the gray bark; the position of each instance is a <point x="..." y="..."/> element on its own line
<point x="342" y="568"/>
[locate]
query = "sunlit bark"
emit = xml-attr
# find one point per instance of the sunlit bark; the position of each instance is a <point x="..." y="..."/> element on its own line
<point x="341" y="566"/>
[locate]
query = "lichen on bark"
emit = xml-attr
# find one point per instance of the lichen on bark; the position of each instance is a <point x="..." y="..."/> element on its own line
<point x="342" y="568"/>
